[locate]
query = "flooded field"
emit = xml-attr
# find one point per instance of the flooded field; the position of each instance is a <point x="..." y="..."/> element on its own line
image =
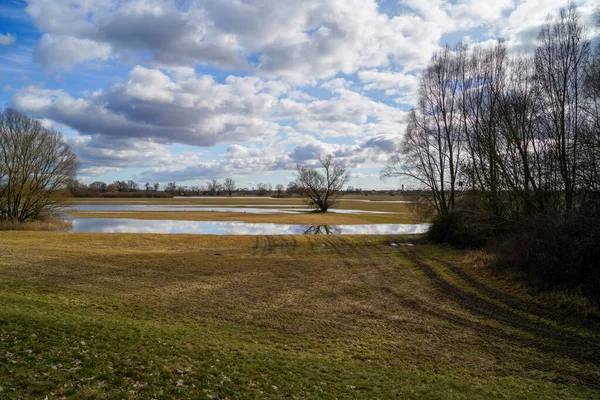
<point x="241" y="208"/>
<point x="126" y="225"/>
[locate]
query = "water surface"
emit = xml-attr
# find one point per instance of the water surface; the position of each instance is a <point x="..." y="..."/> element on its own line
<point x="126" y="225"/>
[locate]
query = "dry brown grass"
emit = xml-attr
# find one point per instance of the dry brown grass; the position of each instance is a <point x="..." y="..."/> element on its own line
<point x="53" y="224"/>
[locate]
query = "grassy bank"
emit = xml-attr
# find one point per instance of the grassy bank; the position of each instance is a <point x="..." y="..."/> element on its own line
<point x="164" y="316"/>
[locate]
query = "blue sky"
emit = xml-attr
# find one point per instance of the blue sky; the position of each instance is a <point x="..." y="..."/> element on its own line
<point x="186" y="91"/>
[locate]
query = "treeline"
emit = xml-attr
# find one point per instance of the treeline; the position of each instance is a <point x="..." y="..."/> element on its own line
<point x="507" y="146"/>
<point x="116" y="189"/>
<point x="213" y="187"/>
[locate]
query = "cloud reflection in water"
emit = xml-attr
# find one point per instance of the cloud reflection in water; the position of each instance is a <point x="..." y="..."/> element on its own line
<point x="123" y="225"/>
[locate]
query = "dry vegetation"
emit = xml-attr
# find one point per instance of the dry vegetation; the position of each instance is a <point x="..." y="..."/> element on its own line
<point x="178" y="316"/>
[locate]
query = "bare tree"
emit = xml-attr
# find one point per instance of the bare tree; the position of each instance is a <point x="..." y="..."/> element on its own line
<point x="35" y="166"/>
<point x="171" y="187"/>
<point x="229" y="186"/>
<point x="98" y="186"/>
<point x="589" y="173"/>
<point x="292" y="188"/>
<point x="560" y="60"/>
<point x="321" y="190"/>
<point x="432" y="147"/>
<point x="279" y="188"/>
<point x="132" y="186"/>
<point x="214" y="187"/>
<point x="263" y="189"/>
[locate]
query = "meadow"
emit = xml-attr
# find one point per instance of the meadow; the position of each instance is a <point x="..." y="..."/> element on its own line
<point x="125" y="316"/>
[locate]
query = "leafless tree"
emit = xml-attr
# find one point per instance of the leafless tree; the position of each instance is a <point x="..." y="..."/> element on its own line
<point x="432" y="148"/>
<point x="322" y="190"/>
<point x="36" y="165"/>
<point x="560" y="61"/>
<point x="214" y="187"/>
<point x="229" y="186"/>
<point x="279" y="188"/>
<point x="98" y="186"/>
<point x="589" y="173"/>
<point x="132" y="186"/>
<point x="263" y="189"/>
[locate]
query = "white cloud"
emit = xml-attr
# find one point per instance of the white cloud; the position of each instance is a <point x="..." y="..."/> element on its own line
<point x="63" y="51"/>
<point x="382" y="80"/>
<point x="193" y="110"/>
<point x="524" y="22"/>
<point x="299" y="40"/>
<point x="7" y="39"/>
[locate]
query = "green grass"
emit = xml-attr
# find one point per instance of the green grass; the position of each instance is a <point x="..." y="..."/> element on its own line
<point x="183" y="316"/>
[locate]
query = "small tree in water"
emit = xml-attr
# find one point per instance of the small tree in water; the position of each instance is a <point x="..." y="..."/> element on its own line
<point x="321" y="190"/>
<point x="36" y="165"/>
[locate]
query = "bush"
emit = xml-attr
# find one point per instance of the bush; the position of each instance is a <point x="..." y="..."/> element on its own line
<point x="557" y="252"/>
<point x="469" y="225"/>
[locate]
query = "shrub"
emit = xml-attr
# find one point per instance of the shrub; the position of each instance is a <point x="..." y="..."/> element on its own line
<point x="469" y="225"/>
<point x="557" y="252"/>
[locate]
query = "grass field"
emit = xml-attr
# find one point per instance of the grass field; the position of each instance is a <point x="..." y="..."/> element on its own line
<point x="323" y="317"/>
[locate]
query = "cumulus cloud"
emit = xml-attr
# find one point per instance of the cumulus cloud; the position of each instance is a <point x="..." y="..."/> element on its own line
<point x="239" y="160"/>
<point x="382" y="80"/>
<point x="193" y="110"/>
<point x="7" y="39"/>
<point x="525" y="21"/>
<point x="297" y="40"/>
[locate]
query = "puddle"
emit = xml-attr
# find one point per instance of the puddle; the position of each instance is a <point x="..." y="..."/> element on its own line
<point x="123" y="225"/>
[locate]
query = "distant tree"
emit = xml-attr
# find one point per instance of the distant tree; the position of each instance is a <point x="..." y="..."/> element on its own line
<point x="214" y="187"/>
<point x="229" y="186"/>
<point x="292" y="188"/>
<point x="171" y="187"/>
<point x="148" y="186"/>
<point x="36" y="165"/>
<point x="156" y="186"/>
<point x="121" y="186"/>
<point x="77" y="188"/>
<point x="279" y="189"/>
<point x="263" y="189"/>
<point x="98" y="186"/>
<point x="132" y="186"/>
<point x="321" y="190"/>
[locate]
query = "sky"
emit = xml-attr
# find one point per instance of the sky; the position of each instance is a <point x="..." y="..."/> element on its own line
<point x="187" y="91"/>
